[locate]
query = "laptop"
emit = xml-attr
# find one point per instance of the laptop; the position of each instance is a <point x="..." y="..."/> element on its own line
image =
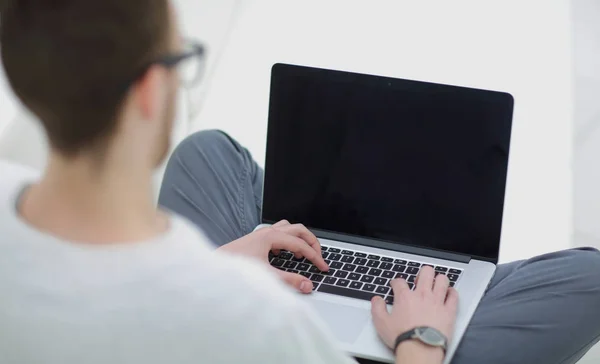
<point x="391" y="175"/>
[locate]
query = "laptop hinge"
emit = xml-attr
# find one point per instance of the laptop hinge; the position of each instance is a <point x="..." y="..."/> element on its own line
<point x="375" y="243"/>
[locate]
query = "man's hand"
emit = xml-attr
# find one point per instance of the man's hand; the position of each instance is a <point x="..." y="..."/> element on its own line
<point x="432" y="304"/>
<point x="282" y="236"/>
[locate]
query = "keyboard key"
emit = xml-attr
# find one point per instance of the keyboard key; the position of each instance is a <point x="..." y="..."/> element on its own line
<point x="360" y="261"/>
<point x="453" y="277"/>
<point x="333" y="250"/>
<point x="387" y="274"/>
<point x="324" y="248"/>
<point x="303" y="267"/>
<point x="441" y="269"/>
<point x="334" y="257"/>
<point x="411" y="285"/>
<point x="330" y="272"/>
<point x="336" y="265"/>
<point x="402" y="276"/>
<point x="412" y="270"/>
<point x="349" y="267"/>
<point x="330" y="280"/>
<point x="389" y="300"/>
<point x="373" y="263"/>
<point x="386" y="266"/>
<point x="278" y="263"/>
<point x="352" y="293"/>
<point x="292" y="271"/>
<point x="400" y="261"/>
<point x="347" y="259"/>
<point x="314" y="269"/>
<point x="375" y="272"/>
<point x="452" y="284"/>
<point x="360" y="255"/>
<point x="455" y="271"/>
<point x="367" y="279"/>
<point x="354" y="276"/>
<point x="341" y="274"/>
<point x="315" y="285"/>
<point x="356" y="285"/>
<point x="327" y="261"/>
<point x="306" y="274"/>
<point x="317" y="278"/>
<point x="399" y="268"/>
<point x="324" y="254"/>
<point x="381" y="281"/>
<point x="411" y="279"/>
<point x="290" y="265"/>
<point x="414" y="264"/>
<point x="374" y="257"/>
<point x="342" y="283"/>
<point x="382" y="290"/>
<point x="362" y="270"/>
<point x="347" y="252"/>
<point x="286" y="256"/>
<point x="440" y="274"/>
<point x="369" y="287"/>
<point x="386" y="259"/>
<point x="298" y="260"/>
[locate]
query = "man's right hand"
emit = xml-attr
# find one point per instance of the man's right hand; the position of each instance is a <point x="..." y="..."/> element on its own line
<point x="433" y="303"/>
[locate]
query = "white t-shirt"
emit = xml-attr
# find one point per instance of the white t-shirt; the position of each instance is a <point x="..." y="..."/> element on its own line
<point x="169" y="300"/>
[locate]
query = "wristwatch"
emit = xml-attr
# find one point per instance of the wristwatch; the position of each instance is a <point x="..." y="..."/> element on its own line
<point x="427" y="335"/>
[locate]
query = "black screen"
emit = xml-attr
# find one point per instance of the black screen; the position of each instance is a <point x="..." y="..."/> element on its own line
<point x="402" y="161"/>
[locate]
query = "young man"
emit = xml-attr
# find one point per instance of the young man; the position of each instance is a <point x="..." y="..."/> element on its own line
<point x="90" y="272"/>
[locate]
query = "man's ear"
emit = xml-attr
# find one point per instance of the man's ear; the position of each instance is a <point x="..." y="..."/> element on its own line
<point x="150" y="92"/>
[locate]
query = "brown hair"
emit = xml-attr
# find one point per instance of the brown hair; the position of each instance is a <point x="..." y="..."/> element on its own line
<point x="71" y="61"/>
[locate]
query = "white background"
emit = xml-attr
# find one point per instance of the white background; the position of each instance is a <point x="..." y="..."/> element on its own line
<point x="493" y="45"/>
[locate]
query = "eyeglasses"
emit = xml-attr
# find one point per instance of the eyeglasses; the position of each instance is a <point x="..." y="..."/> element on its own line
<point x="190" y="63"/>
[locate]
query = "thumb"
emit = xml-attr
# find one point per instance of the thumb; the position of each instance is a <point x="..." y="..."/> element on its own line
<point x="379" y="312"/>
<point x="296" y="281"/>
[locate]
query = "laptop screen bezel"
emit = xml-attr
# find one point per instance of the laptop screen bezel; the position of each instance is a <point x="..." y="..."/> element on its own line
<point x="276" y="74"/>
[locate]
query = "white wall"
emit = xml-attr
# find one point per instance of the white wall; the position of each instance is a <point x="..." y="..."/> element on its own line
<point x="586" y="14"/>
<point x="492" y="45"/>
<point x="8" y="103"/>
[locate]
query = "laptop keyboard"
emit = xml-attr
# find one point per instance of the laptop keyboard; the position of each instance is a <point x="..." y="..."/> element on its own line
<point x="356" y="274"/>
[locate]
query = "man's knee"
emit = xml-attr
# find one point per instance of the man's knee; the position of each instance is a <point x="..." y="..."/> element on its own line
<point x="207" y="144"/>
<point x="583" y="266"/>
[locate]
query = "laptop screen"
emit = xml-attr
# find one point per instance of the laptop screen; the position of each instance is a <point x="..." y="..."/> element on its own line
<point x="402" y="161"/>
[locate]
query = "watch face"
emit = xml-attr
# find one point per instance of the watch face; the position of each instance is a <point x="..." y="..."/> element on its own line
<point x="432" y="337"/>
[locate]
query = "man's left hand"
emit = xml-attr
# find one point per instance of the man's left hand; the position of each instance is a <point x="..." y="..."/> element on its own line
<point x="282" y="236"/>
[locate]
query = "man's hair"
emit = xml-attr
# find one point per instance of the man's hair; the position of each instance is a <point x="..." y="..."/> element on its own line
<point x="71" y="61"/>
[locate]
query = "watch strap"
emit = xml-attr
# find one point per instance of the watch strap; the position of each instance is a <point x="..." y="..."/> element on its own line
<point x="403" y="337"/>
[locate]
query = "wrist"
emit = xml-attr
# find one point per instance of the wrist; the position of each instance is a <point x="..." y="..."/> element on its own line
<point x="415" y="352"/>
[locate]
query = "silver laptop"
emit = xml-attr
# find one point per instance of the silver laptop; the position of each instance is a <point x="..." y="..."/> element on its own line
<point x="391" y="175"/>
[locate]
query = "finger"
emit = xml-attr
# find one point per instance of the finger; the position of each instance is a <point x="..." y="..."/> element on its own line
<point x="425" y="282"/>
<point x="440" y="287"/>
<point x="379" y="313"/>
<point x="296" y="245"/>
<point x="296" y="281"/>
<point x="281" y="223"/>
<point x="303" y="233"/>
<point x="400" y="287"/>
<point x="452" y="301"/>
<point x="276" y="252"/>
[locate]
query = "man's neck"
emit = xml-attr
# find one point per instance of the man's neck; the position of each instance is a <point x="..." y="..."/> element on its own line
<point x="84" y="201"/>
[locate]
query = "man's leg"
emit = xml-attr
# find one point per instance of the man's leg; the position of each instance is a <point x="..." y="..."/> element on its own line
<point x="214" y="182"/>
<point x="543" y="310"/>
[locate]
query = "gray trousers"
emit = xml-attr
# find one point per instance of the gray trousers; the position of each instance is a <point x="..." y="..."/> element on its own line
<point x="541" y="311"/>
